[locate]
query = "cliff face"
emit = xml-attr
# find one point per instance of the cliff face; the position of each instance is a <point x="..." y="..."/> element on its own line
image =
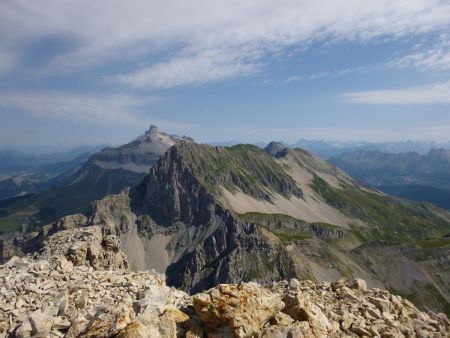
<point x="172" y="193"/>
<point x="78" y="286"/>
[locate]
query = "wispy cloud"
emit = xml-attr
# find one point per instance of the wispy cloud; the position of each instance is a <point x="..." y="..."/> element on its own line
<point x="79" y="107"/>
<point x="433" y="93"/>
<point x="207" y="66"/>
<point x="113" y="31"/>
<point x="436" y="58"/>
<point x="326" y="74"/>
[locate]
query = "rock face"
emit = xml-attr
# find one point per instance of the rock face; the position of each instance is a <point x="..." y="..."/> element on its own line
<point x="69" y="295"/>
<point x="276" y="149"/>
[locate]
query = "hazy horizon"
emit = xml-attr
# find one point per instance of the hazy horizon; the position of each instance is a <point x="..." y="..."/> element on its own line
<point x="54" y="148"/>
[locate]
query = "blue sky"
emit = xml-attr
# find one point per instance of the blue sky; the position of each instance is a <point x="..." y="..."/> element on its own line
<point x="75" y="72"/>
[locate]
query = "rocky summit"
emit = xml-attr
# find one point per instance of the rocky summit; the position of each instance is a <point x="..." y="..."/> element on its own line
<point x="78" y="285"/>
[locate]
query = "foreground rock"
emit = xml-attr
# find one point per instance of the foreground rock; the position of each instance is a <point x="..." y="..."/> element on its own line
<point x="241" y="310"/>
<point x="78" y="286"/>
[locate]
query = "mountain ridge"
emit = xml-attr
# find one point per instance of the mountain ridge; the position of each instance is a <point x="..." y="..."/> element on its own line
<point x="180" y="221"/>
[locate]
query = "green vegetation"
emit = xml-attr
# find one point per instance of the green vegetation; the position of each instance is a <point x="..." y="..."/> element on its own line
<point x="302" y="151"/>
<point x="434" y="243"/>
<point x="288" y="236"/>
<point x="246" y="167"/>
<point x="431" y="294"/>
<point x="389" y="218"/>
<point x="259" y="217"/>
<point x="436" y="295"/>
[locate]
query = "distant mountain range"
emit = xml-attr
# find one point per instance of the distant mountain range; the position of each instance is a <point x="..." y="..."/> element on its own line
<point x="408" y="175"/>
<point x="12" y="161"/>
<point x="26" y="173"/>
<point x="105" y="172"/>
<point x="327" y="149"/>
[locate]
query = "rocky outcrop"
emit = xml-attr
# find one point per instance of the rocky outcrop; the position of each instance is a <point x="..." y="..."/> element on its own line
<point x="85" y="246"/>
<point x="240" y="310"/>
<point x="276" y="149"/>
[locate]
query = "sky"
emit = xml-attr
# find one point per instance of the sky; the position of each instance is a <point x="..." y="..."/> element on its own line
<point x="96" y="72"/>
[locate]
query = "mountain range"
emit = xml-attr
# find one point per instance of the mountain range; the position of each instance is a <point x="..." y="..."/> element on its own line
<point x="207" y="215"/>
<point x="408" y="175"/>
<point x="328" y="149"/>
<point x="105" y="172"/>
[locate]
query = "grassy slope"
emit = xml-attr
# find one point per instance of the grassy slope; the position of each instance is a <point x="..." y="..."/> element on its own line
<point x="244" y="166"/>
<point x="390" y="218"/>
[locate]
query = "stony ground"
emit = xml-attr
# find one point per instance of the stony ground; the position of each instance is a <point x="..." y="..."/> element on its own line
<point x="78" y="285"/>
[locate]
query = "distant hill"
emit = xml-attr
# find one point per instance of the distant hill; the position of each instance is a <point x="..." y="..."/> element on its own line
<point x="408" y="175"/>
<point x="105" y="172"/>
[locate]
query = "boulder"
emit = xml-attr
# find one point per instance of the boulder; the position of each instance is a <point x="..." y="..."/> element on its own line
<point x="243" y="308"/>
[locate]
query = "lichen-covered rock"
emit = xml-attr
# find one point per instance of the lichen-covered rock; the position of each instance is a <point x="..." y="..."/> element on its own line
<point x="243" y="308"/>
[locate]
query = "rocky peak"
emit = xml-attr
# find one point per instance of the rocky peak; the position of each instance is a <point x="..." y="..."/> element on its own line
<point x="152" y="130"/>
<point x="140" y="154"/>
<point x="86" y="246"/>
<point x="276" y="149"/>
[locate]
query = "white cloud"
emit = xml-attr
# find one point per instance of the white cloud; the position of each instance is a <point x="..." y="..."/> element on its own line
<point x="436" y="58"/>
<point x="433" y="93"/>
<point x="207" y="66"/>
<point x="103" y="32"/>
<point x="84" y="107"/>
<point x="326" y="74"/>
